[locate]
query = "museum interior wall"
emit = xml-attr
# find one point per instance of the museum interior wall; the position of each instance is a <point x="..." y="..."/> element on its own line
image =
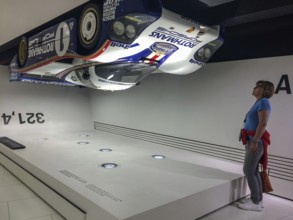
<point x="205" y="107"/>
<point x="28" y="107"/>
<point x="208" y="106"/>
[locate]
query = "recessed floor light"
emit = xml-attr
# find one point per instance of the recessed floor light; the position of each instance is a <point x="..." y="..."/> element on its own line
<point x="159" y="157"/>
<point x="42" y="139"/>
<point x="83" y="142"/>
<point x="109" y="165"/>
<point x="106" y="150"/>
<point x="84" y="135"/>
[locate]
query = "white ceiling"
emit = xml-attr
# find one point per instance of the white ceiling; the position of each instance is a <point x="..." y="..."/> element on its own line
<point x="20" y="16"/>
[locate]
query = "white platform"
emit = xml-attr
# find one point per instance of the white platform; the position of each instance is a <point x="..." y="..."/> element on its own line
<point x="69" y="177"/>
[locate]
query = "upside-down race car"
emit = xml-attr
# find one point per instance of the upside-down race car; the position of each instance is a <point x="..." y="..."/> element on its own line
<point x="113" y="45"/>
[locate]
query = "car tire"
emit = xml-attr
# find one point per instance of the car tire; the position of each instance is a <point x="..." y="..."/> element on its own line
<point x="22" y="53"/>
<point x="89" y="27"/>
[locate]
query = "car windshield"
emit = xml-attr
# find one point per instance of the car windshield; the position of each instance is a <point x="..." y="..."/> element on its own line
<point x="124" y="72"/>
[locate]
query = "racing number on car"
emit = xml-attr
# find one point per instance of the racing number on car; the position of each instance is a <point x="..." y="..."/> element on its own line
<point x="62" y="39"/>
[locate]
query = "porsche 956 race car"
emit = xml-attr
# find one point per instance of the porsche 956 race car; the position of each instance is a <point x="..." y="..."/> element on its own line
<point x="113" y="45"/>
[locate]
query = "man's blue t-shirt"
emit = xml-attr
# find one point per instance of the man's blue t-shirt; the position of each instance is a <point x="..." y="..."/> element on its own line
<point x="252" y="121"/>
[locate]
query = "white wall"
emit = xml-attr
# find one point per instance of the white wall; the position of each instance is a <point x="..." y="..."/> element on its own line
<point x="63" y="108"/>
<point x="208" y="105"/>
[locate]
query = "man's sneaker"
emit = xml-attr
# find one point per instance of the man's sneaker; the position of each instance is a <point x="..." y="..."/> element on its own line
<point x="250" y="206"/>
<point x="246" y="200"/>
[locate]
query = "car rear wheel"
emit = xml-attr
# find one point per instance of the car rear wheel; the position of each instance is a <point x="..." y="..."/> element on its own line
<point x="89" y="27"/>
<point x="22" y="53"/>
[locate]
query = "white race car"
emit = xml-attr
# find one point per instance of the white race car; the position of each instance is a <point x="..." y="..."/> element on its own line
<point x="113" y="45"/>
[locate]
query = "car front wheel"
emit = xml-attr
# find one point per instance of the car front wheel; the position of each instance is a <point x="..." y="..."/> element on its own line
<point x="89" y="27"/>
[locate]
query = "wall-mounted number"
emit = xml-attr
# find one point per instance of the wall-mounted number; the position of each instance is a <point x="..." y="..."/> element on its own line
<point x="7" y="118"/>
<point x="23" y="118"/>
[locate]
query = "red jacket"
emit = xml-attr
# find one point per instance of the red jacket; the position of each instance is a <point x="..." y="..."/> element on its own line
<point x="266" y="142"/>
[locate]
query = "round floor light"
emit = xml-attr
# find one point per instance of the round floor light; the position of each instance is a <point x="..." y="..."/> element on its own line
<point x="159" y="157"/>
<point x="106" y="150"/>
<point x="109" y="165"/>
<point x="84" y="135"/>
<point x="42" y="139"/>
<point x="83" y="142"/>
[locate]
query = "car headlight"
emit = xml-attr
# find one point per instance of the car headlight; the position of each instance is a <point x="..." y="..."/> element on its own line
<point x="204" y="53"/>
<point x="200" y="52"/>
<point x="118" y="28"/>
<point x="126" y="28"/>
<point x="207" y="53"/>
<point x="130" y="31"/>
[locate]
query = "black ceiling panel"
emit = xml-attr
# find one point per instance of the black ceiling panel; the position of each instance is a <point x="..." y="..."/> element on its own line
<point x="251" y="28"/>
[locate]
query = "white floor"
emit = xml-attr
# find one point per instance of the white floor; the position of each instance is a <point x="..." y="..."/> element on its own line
<point x="17" y="202"/>
<point x="275" y="208"/>
<point x="141" y="188"/>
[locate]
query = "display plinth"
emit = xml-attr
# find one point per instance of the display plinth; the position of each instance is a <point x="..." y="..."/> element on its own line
<point x="183" y="185"/>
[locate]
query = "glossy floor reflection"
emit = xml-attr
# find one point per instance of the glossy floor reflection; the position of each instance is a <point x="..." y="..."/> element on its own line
<point x="275" y="208"/>
<point x="17" y="202"/>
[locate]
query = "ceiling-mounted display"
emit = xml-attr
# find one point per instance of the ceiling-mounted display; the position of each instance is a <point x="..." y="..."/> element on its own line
<point x="113" y="45"/>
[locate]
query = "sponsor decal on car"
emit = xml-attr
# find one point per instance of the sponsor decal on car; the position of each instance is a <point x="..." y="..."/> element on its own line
<point x="42" y="49"/>
<point x="41" y="45"/>
<point x="109" y="9"/>
<point x="48" y="36"/>
<point x="174" y="37"/>
<point x="160" y="51"/>
<point x="47" y="82"/>
<point x="196" y="62"/>
<point x="51" y="42"/>
<point x="163" y="48"/>
<point x="33" y="42"/>
<point x="118" y="44"/>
